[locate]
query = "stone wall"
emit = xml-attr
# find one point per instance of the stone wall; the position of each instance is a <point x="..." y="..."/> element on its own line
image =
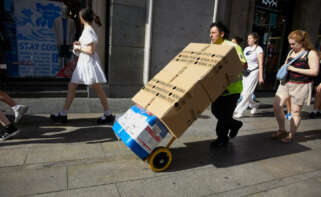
<point x="176" y="24"/>
<point x="307" y="16"/>
<point x="126" y="47"/>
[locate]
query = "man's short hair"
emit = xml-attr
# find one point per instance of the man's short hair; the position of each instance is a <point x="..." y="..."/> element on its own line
<point x="222" y="28"/>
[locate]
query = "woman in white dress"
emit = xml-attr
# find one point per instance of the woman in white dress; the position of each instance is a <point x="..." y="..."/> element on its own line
<point x="88" y="70"/>
<point x="254" y="57"/>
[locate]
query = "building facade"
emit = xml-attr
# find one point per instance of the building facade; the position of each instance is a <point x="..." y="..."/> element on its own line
<point x="139" y="37"/>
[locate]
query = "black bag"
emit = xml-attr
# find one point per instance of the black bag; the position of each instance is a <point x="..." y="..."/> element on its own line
<point x="246" y="71"/>
<point x="282" y="73"/>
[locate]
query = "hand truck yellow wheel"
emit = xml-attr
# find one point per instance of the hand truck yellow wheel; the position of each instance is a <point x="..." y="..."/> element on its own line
<point x="160" y="159"/>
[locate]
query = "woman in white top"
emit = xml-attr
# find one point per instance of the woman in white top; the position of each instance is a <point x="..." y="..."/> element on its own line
<point x="88" y="70"/>
<point x="254" y="57"/>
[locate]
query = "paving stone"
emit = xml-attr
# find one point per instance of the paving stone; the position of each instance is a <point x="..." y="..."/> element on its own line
<point x="225" y="179"/>
<point x="28" y="182"/>
<point x="309" y="188"/>
<point x="188" y="184"/>
<point x="99" y="191"/>
<point x="284" y="166"/>
<point x="311" y="158"/>
<point x="64" y="152"/>
<point x="12" y="157"/>
<point x="53" y="194"/>
<point x="116" y="148"/>
<point x="107" y="173"/>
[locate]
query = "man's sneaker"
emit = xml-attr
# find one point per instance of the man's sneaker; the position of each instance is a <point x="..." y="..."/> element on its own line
<point x="288" y="116"/>
<point x="253" y="110"/>
<point x="9" y="131"/>
<point x="106" y="119"/>
<point x="234" y="131"/>
<point x="218" y="143"/>
<point x="59" y="118"/>
<point x="19" y="111"/>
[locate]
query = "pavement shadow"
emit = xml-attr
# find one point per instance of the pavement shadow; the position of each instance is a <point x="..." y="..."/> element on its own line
<point x="39" y="132"/>
<point x="241" y="150"/>
<point x="260" y="114"/>
<point x="304" y="114"/>
<point x="28" y="120"/>
<point x="204" y="117"/>
<point x="265" y="106"/>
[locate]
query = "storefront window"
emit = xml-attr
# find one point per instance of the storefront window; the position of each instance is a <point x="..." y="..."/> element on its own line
<point x="272" y="22"/>
<point x="39" y="35"/>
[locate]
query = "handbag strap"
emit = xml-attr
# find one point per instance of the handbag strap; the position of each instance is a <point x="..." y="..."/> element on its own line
<point x="296" y="58"/>
<point x="254" y="69"/>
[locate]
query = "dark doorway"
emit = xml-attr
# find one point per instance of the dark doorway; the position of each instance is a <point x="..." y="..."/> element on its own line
<point x="272" y="22"/>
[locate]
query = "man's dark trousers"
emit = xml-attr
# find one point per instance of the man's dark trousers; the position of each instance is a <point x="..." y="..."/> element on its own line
<point x="223" y="108"/>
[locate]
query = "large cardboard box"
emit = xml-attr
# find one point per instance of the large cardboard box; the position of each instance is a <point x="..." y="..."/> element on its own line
<point x="183" y="89"/>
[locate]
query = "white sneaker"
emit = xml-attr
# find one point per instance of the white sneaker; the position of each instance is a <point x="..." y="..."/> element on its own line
<point x="19" y="112"/>
<point x="237" y="116"/>
<point x="253" y="110"/>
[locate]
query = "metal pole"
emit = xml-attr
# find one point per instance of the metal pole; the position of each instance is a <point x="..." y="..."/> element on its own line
<point x="215" y="11"/>
<point x="148" y="39"/>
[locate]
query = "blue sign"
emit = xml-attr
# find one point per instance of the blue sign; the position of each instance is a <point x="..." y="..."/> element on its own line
<point x="37" y="54"/>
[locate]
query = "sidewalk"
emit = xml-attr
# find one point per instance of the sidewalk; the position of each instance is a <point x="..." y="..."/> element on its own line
<point x="83" y="159"/>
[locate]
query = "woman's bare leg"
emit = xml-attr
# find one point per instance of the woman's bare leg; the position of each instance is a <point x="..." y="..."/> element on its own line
<point x="4" y="120"/>
<point x="278" y="111"/>
<point x="101" y="94"/>
<point x="7" y="99"/>
<point x="72" y="87"/>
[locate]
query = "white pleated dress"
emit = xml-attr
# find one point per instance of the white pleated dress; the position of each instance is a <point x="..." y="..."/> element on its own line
<point x="88" y="70"/>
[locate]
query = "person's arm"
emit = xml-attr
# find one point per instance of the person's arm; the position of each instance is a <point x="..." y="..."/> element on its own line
<point x="260" y="58"/>
<point x="313" y="64"/>
<point x="89" y="49"/>
<point x="319" y="88"/>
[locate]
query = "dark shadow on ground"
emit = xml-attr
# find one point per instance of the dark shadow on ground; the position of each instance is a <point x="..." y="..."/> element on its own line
<point x="304" y="115"/>
<point x="41" y="131"/>
<point x="265" y="106"/>
<point x="261" y="114"/>
<point x="241" y="150"/>
<point x="28" y="120"/>
<point x="204" y="117"/>
<point x="261" y="94"/>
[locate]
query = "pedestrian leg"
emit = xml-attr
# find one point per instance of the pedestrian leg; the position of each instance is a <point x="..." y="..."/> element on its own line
<point x="108" y="117"/>
<point x="279" y="115"/>
<point x="250" y="83"/>
<point x="61" y="116"/>
<point x="72" y="87"/>
<point x="8" y="130"/>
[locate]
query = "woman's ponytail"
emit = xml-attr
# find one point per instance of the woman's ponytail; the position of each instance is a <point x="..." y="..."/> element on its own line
<point x="89" y="16"/>
<point x="97" y="20"/>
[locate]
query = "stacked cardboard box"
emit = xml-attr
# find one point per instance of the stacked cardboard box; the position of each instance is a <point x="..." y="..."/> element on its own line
<point x="184" y="88"/>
